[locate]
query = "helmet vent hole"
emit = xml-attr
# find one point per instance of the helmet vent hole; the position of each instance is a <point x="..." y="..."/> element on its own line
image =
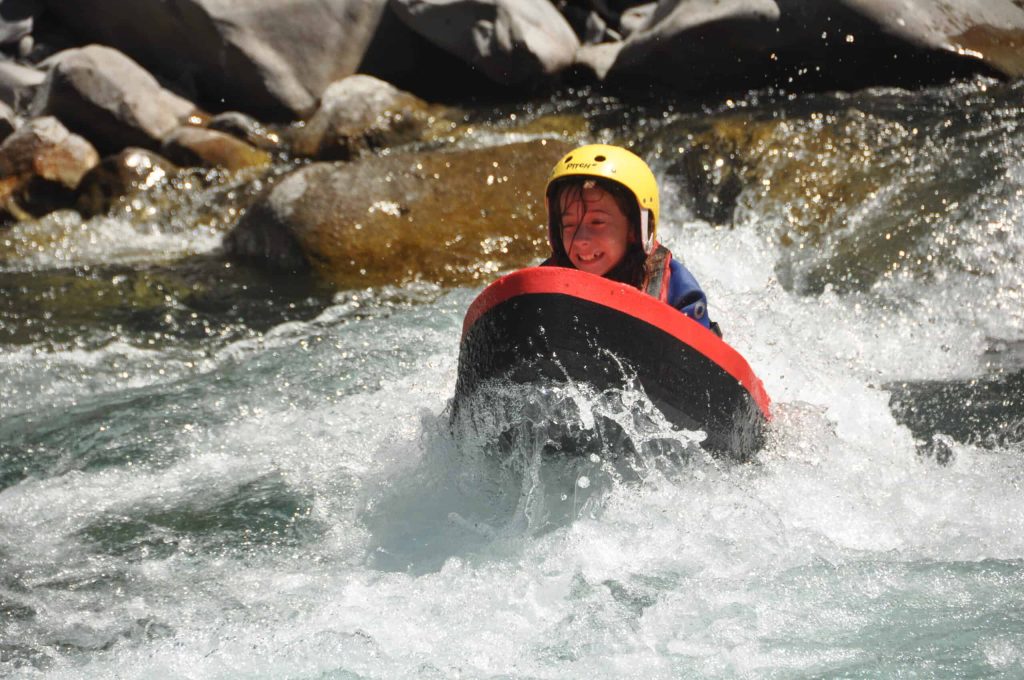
<point x="599" y="159"/>
<point x="568" y="158"/>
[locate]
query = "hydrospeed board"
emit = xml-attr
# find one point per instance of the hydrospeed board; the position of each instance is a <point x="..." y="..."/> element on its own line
<point x="556" y="324"/>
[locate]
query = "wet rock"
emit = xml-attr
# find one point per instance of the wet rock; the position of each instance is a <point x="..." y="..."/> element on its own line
<point x="193" y="146"/>
<point x="360" y="113"/>
<point x="108" y="98"/>
<point x="714" y="183"/>
<point x="272" y="58"/>
<point x="122" y="174"/>
<point x="16" y="19"/>
<point x="511" y="41"/>
<point x="246" y="128"/>
<point x="18" y="84"/>
<point x="445" y="217"/>
<point x="42" y="164"/>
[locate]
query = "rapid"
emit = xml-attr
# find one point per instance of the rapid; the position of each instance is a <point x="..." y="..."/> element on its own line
<point x="262" y="479"/>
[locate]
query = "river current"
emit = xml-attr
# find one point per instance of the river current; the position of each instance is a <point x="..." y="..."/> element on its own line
<point x="273" y="488"/>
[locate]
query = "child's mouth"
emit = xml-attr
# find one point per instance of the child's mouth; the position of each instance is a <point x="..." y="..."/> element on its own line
<point x="592" y="257"/>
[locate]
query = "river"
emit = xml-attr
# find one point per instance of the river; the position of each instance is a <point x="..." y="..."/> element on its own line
<point x="254" y="477"/>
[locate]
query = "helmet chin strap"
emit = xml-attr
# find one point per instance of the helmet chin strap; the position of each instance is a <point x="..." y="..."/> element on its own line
<point x="645" y="237"/>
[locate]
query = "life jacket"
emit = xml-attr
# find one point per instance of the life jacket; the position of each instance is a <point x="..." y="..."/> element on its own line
<point x="658" y="274"/>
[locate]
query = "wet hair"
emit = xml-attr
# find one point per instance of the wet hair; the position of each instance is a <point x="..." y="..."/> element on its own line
<point x="632" y="268"/>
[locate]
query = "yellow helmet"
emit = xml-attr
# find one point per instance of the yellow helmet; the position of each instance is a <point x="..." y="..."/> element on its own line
<point x="618" y="165"/>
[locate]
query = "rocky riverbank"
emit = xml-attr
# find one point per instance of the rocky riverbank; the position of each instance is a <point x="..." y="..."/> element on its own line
<point x="101" y="100"/>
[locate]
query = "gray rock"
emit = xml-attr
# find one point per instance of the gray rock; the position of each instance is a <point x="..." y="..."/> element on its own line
<point x="690" y="41"/>
<point x="360" y="113"/>
<point x="18" y="83"/>
<point x="108" y="98"/>
<point x="267" y="57"/>
<point x="16" y="19"/>
<point x="695" y="44"/>
<point x="511" y="41"/>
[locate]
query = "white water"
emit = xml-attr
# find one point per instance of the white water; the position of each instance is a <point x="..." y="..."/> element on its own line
<point x="837" y="552"/>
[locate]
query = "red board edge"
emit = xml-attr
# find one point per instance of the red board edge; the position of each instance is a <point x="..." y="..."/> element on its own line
<point x="627" y="300"/>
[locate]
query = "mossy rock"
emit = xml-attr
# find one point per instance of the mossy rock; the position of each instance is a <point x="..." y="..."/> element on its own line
<point x="446" y="217"/>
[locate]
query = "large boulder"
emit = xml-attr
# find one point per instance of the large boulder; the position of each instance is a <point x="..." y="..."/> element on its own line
<point x="109" y="99"/>
<point x="701" y="44"/>
<point x="41" y="165"/>
<point x="446" y="217"/>
<point x="513" y="42"/>
<point x="266" y="57"/>
<point x="990" y="31"/>
<point x="360" y="113"/>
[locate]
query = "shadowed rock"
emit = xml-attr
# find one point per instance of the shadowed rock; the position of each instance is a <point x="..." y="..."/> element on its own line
<point x="444" y="217"/>
<point x="8" y="121"/>
<point x="193" y="146"/>
<point x="18" y="83"/>
<point x="991" y="31"/>
<point x="733" y="44"/>
<point x="108" y="98"/>
<point x="360" y="113"/>
<point x="511" y="41"/>
<point x="267" y="57"/>
<point x="16" y="19"/>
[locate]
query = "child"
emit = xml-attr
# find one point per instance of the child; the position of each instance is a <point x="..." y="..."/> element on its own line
<point x="602" y="204"/>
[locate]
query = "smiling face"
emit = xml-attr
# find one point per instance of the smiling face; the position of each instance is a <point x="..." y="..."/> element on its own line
<point x="595" y="232"/>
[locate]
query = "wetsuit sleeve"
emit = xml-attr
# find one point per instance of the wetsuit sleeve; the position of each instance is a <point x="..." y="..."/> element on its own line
<point x="685" y="294"/>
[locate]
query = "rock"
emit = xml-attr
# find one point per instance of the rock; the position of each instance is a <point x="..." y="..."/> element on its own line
<point x="446" y="217"/>
<point x="360" y="113"/>
<point x="272" y="58"/>
<point x="513" y="42"/>
<point x="191" y="146"/>
<point x="991" y="31"/>
<point x="16" y="17"/>
<point x="124" y="173"/>
<point x="108" y="98"/>
<point x="246" y="128"/>
<point x="41" y="165"/>
<point x="8" y="121"/>
<point x="695" y="45"/>
<point x="690" y="42"/>
<point x="636" y="18"/>
<point x="45" y="148"/>
<point x="18" y="83"/>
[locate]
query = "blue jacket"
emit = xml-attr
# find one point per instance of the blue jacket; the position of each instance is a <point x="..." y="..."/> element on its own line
<point x="685" y="294"/>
